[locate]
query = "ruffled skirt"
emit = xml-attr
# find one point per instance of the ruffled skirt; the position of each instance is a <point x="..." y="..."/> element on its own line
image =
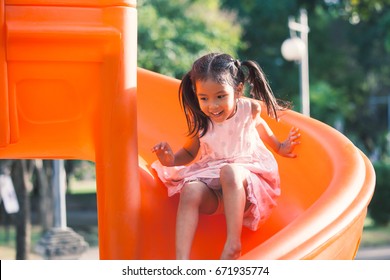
<point x="262" y="179"/>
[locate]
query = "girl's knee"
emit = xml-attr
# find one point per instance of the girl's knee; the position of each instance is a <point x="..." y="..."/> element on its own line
<point x="227" y="171"/>
<point x="197" y="195"/>
<point x="191" y="193"/>
<point x="232" y="173"/>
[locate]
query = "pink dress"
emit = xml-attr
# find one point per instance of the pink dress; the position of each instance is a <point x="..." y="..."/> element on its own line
<point x="235" y="141"/>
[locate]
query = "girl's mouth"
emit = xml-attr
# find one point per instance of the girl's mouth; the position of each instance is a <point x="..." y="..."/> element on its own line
<point x="216" y="114"/>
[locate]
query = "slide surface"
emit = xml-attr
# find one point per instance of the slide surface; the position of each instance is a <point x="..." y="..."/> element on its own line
<point x="325" y="190"/>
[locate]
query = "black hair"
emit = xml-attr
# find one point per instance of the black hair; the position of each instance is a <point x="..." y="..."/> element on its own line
<point x="224" y="69"/>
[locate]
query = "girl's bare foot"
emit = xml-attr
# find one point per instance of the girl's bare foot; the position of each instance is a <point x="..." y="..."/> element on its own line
<point x="231" y="251"/>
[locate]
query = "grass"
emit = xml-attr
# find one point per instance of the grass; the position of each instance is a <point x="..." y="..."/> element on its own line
<point x="82" y="186"/>
<point x="7" y="235"/>
<point x="375" y="236"/>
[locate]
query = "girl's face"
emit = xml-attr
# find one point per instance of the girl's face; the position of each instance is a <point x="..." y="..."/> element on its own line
<point x="217" y="101"/>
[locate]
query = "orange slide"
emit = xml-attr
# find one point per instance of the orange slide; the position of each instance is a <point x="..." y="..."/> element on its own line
<point x="70" y="89"/>
<point x="325" y="191"/>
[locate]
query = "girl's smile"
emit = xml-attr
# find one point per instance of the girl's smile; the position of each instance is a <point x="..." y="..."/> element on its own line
<point x="217" y="101"/>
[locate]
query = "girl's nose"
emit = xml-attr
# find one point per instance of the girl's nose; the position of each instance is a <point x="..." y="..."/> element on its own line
<point x="214" y="104"/>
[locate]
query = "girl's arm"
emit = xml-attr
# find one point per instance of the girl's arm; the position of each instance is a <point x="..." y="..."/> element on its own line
<point x="182" y="157"/>
<point x="284" y="148"/>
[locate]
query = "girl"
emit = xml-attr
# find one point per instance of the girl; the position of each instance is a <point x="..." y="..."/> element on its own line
<point x="232" y="171"/>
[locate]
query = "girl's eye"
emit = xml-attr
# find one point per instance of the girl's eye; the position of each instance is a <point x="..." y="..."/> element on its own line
<point x="221" y="96"/>
<point x="203" y="98"/>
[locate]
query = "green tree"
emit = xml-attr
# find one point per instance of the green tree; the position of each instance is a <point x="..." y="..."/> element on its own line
<point x="354" y="60"/>
<point x="349" y="46"/>
<point x="264" y="30"/>
<point x="172" y="34"/>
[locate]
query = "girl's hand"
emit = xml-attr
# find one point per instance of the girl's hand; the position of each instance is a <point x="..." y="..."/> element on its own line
<point x="164" y="153"/>
<point x="286" y="148"/>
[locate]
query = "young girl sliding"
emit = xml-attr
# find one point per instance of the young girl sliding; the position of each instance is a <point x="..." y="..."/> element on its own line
<point x="224" y="166"/>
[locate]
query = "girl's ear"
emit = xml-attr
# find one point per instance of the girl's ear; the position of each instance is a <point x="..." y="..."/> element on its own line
<point x="239" y="90"/>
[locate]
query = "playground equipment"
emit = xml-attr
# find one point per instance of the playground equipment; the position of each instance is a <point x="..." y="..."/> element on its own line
<point x="70" y="89"/>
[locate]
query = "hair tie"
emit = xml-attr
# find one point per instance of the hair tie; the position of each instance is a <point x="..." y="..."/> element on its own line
<point x="237" y="63"/>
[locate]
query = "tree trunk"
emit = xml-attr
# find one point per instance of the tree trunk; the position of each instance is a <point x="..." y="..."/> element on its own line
<point x="45" y="196"/>
<point x="20" y="178"/>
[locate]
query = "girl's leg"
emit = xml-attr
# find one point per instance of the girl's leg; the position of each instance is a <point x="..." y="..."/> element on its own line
<point x="234" y="198"/>
<point x="195" y="198"/>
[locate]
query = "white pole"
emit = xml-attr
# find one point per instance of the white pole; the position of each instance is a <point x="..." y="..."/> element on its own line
<point x="59" y="191"/>
<point x="304" y="69"/>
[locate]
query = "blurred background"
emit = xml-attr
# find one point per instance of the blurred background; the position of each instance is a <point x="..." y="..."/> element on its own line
<point x="348" y="55"/>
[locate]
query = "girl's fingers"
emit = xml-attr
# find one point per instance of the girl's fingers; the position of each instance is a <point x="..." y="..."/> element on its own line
<point x="294" y="134"/>
<point x="159" y="147"/>
<point x="162" y="148"/>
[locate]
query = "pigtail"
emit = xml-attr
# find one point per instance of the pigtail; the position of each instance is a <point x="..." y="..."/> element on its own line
<point x="197" y="121"/>
<point x="222" y="68"/>
<point x="261" y="89"/>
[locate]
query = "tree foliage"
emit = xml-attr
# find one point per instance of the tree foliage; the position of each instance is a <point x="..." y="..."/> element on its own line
<point x="355" y="60"/>
<point x="172" y="34"/>
<point x="348" y="56"/>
